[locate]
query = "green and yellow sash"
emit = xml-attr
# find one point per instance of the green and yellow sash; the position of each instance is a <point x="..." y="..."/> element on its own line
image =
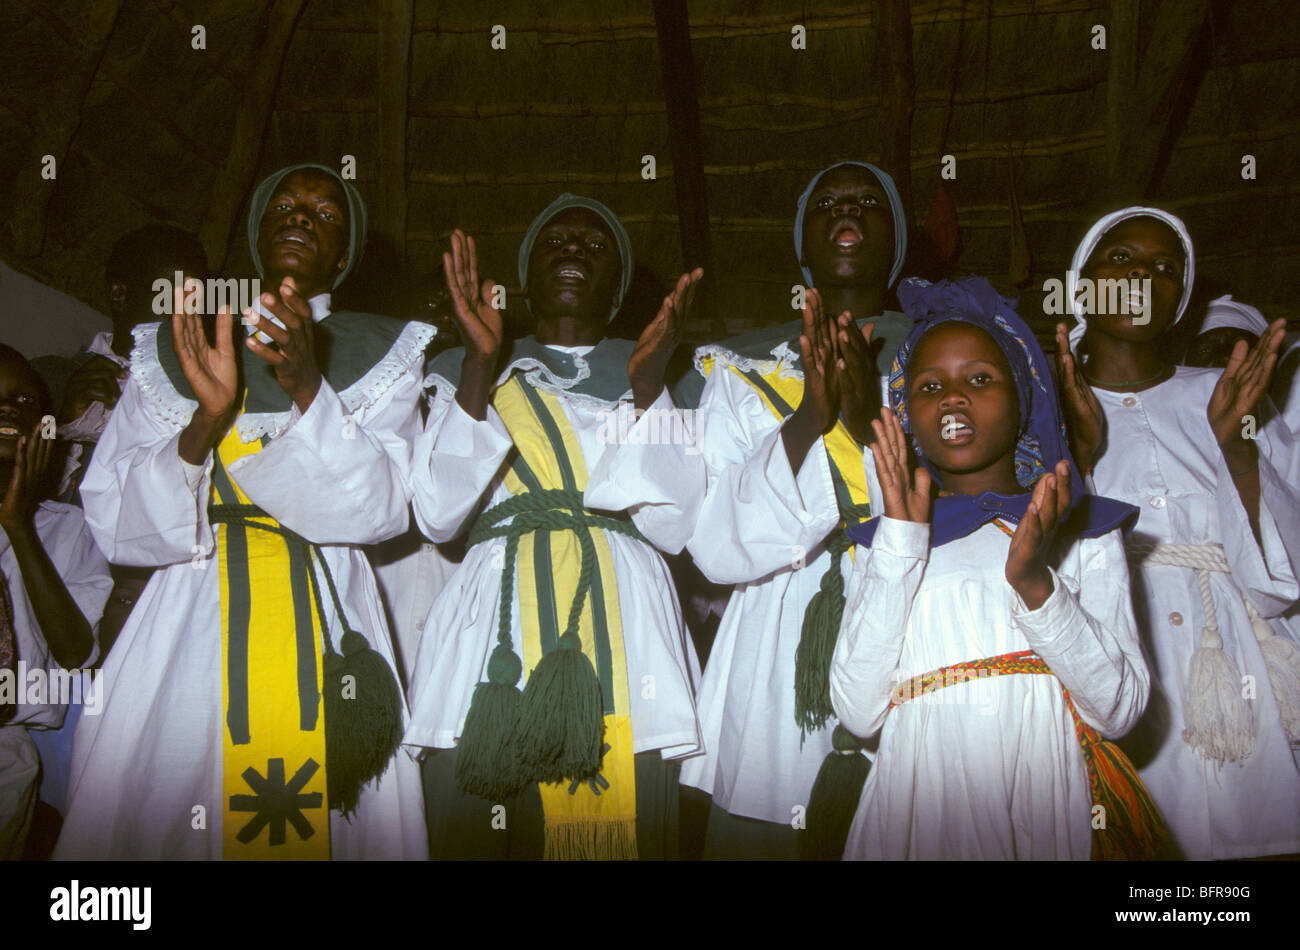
<point x="274" y="787"/>
<point x="558" y="553"/>
<point x="823" y="613"/>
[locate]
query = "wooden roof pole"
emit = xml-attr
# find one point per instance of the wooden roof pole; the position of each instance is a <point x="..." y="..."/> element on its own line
<point x="1148" y="95"/>
<point x="55" y="123"/>
<point x="681" y="98"/>
<point x="900" y="91"/>
<point x="395" y="19"/>
<point x="235" y="177"/>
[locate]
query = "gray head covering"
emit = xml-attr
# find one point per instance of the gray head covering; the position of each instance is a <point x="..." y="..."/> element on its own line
<point x="1094" y="237"/>
<point x="895" y="208"/>
<point x="616" y="230"/>
<point x="356" y="215"/>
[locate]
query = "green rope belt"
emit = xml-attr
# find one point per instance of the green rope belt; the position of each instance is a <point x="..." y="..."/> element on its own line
<point x="555" y="509"/>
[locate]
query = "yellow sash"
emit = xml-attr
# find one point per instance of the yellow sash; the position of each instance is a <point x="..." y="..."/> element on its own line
<point x="273" y="753"/>
<point x="592" y="820"/>
<point x="781" y="395"/>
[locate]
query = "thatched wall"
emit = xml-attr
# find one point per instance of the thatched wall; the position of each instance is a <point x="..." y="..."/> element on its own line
<point x="146" y="128"/>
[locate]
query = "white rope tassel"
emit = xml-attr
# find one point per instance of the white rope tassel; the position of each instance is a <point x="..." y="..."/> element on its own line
<point x="1219" y="723"/>
<point x="1282" y="660"/>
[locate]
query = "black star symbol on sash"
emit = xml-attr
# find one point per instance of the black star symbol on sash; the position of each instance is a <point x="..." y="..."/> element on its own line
<point x="277" y="802"/>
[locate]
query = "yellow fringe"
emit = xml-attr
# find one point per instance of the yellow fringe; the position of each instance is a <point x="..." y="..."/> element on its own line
<point x="590" y="838"/>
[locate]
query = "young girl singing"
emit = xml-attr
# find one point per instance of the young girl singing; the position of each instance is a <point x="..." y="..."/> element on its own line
<point x="1216" y="546"/>
<point x="1016" y="573"/>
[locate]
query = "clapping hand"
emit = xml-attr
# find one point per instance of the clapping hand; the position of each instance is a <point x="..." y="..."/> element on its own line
<point x="905" y="490"/>
<point x="1031" y="545"/>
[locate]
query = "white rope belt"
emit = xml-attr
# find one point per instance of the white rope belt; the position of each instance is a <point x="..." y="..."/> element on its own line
<point x="1220" y="722"/>
<point x="1204" y="559"/>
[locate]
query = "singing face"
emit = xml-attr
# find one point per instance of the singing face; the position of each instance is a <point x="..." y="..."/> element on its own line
<point x="304" y="231"/>
<point x="1139" y="248"/>
<point x="23" y="400"/>
<point x="961" y="401"/>
<point x="574" y="268"/>
<point x="848" y="229"/>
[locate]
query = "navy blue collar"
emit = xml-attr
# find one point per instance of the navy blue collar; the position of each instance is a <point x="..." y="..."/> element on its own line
<point x="956" y="516"/>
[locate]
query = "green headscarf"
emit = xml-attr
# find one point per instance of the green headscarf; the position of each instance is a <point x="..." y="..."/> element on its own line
<point x="616" y="230"/>
<point x="356" y="215"/>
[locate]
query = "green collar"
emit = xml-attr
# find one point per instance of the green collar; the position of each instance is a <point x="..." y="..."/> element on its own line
<point x="600" y="375"/>
<point x="361" y="355"/>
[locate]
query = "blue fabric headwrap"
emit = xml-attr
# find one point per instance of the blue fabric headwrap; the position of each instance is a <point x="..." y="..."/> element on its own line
<point x="895" y="208"/>
<point x="356" y="215"/>
<point x="1042" y="441"/>
<point x="616" y="230"/>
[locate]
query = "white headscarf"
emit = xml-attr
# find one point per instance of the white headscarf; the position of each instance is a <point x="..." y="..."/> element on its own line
<point x="1225" y="312"/>
<point x="1093" y="238"/>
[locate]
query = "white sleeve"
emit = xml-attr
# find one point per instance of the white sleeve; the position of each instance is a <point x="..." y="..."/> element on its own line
<point x="1268" y="575"/>
<point x="656" y="475"/>
<point x="758" y="517"/>
<point x="1087" y="634"/>
<point x="878" y="602"/>
<point x="335" y="477"/>
<point x="140" y="505"/>
<point x="455" y="459"/>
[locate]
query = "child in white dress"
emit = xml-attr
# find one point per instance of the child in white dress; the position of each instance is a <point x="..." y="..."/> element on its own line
<point x="997" y="585"/>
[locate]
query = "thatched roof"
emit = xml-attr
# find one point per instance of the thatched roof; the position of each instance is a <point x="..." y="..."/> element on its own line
<point x="447" y="131"/>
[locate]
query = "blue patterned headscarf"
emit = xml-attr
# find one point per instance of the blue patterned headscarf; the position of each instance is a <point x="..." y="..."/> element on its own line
<point x="973" y="300"/>
<point x="1042" y="442"/>
<point x="895" y="209"/>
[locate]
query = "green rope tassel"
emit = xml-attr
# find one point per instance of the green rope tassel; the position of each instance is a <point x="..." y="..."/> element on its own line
<point x="834" y="799"/>
<point x="363" y="720"/>
<point x="821" y="628"/>
<point x="561" y="729"/>
<point x="363" y="706"/>
<point x="486" y="763"/>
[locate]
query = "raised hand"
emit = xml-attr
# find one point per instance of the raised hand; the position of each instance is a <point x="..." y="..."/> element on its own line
<point x="1243" y="383"/>
<point x="904" y="490"/>
<point x="820" y="405"/>
<point x="1031" y="545"/>
<point x="818" y="355"/>
<point x="480" y="323"/>
<point x="212" y="372"/>
<point x="859" y="381"/>
<point x="99" y="379"/>
<point x="1085" y="425"/>
<point x="293" y="355"/>
<point x="655" y="346"/>
<point x="23" y="494"/>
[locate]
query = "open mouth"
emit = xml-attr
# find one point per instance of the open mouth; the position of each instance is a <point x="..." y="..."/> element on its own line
<point x="9" y="431"/>
<point x="955" y="429"/>
<point x="846" y="234"/>
<point x="570" y="271"/>
<point x="294" y="237"/>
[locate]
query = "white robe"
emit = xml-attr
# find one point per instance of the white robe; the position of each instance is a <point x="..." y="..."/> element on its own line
<point x="458" y="472"/>
<point x="762" y="528"/>
<point x="142" y="767"/>
<point x="990" y="769"/>
<point x="71" y="549"/>
<point x="1161" y="456"/>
